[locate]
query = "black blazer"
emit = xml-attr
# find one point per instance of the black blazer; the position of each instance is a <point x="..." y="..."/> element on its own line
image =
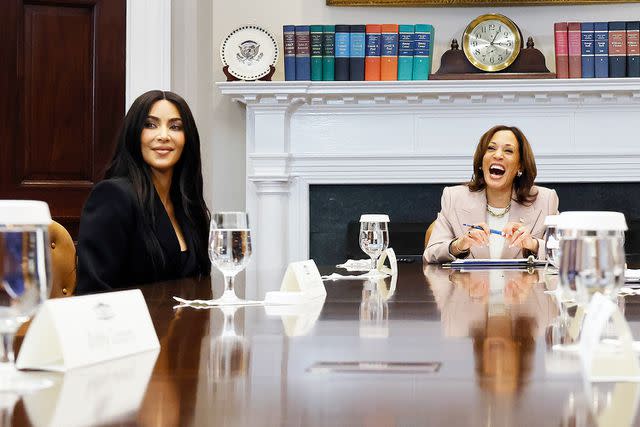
<point x="111" y="248"/>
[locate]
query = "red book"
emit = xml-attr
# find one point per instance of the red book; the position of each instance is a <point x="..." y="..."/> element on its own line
<point x="562" y="50"/>
<point x="574" y="39"/>
<point x="372" y="51"/>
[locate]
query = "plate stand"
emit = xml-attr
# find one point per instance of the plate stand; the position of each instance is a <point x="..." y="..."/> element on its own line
<point x="266" y="78"/>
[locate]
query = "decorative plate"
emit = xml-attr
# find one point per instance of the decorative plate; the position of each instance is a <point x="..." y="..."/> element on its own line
<point x="249" y="51"/>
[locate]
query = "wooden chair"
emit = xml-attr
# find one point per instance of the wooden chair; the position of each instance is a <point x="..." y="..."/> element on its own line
<point x="427" y="234"/>
<point x="63" y="261"/>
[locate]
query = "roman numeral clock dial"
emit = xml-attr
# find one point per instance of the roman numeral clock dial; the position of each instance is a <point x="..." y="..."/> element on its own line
<point x="492" y="42"/>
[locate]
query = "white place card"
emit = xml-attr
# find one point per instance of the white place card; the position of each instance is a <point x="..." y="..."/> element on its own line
<point x="301" y="283"/>
<point x="79" y="331"/>
<point x="599" y="362"/>
<point x="393" y="262"/>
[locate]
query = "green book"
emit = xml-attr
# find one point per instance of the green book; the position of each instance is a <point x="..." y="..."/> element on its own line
<point x="423" y="51"/>
<point x="405" y="52"/>
<point x="328" y="52"/>
<point x="316" y="51"/>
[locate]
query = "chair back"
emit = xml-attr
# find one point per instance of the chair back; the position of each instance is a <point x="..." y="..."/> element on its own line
<point x="63" y="261"/>
<point x="427" y="234"/>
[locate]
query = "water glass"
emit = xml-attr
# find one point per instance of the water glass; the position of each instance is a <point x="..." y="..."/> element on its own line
<point x="230" y="249"/>
<point x="551" y="240"/>
<point x="374" y="237"/>
<point x="591" y="253"/>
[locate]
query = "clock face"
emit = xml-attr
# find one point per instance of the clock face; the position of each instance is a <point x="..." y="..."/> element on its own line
<point x="492" y="42"/>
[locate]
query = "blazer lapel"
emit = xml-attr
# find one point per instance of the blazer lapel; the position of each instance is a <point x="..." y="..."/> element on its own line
<point x="473" y="213"/>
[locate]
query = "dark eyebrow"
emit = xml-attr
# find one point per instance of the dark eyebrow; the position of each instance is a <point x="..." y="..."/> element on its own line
<point x="174" y="119"/>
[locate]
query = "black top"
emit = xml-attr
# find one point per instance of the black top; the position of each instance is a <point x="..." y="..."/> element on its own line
<point x="111" y="247"/>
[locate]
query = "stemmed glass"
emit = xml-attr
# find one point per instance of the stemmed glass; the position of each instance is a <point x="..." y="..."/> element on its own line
<point x="230" y="251"/>
<point x="25" y="282"/>
<point x="551" y="241"/>
<point x="374" y="238"/>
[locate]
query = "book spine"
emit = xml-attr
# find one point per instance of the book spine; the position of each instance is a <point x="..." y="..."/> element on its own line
<point x="575" y="50"/>
<point x="588" y="59"/>
<point x="356" y="53"/>
<point x="561" y="42"/>
<point x="405" y="51"/>
<point x="316" y="52"/>
<point x="617" y="49"/>
<point x="342" y="52"/>
<point x="601" y="55"/>
<point x="372" y="52"/>
<point x="633" y="49"/>
<point x="303" y="51"/>
<point x="422" y="52"/>
<point x="389" y="52"/>
<point x="289" y="41"/>
<point x="328" y="52"/>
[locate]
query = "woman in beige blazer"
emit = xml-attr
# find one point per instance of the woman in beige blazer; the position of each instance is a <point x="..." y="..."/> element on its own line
<point x="500" y="195"/>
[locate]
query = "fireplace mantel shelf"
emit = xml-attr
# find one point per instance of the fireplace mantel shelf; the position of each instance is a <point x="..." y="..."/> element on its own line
<point x="411" y="92"/>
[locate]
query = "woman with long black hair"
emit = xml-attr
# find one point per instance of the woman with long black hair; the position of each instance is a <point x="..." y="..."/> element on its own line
<point x="147" y="220"/>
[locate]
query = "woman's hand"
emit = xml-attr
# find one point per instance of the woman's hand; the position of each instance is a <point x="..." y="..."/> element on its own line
<point x="518" y="235"/>
<point x="472" y="238"/>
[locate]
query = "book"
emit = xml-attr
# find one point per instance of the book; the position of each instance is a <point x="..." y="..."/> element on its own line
<point x="601" y="46"/>
<point x="289" y="42"/>
<point x="561" y="43"/>
<point x="342" y="52"/>
<point x="316" y="32"/>
<point x="633" y="49"/>
<point x="328" y="52"/>
<point x="588" y="58"/>
<point x="372" y="52"/>
<point x="303" y="51"/>
<point x="422" y="53"/>
<point x="356" y="52"/>
<point x="574" y="36"/>
<point x="405" y="52"/>
<point x="617" y="49"/>
<point x="389" y="52"/>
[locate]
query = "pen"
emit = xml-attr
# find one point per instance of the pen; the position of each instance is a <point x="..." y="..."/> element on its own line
<point x="491" y="230"/>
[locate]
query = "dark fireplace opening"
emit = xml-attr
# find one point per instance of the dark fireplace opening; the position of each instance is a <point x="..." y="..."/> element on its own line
<point x="334" y="212"/>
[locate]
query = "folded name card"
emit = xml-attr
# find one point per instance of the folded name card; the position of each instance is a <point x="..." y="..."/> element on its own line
<point x="301" y="283"/>
<point x="393" y="262"/>
<point x="598" y="362"/>
<point x="79" y="331"/>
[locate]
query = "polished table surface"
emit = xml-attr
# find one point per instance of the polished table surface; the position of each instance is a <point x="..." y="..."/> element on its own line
<point x="442" y="348"/>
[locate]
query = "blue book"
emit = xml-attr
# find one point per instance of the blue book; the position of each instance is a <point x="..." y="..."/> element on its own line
<point x="343" y="51"/>
<point x="601" y="45"/>
<point x="633" y="49"/>
<point x="405" y="52"/>
<point x="303" y="52"/>
<point x="289" y="39"/>
<point x="617" y="49"/>
<point x="356" y="52"/>
<point x="587" y="49"/>
<point x="422" y="51"/>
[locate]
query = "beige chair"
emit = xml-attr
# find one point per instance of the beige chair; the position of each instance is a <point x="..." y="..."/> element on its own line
<point x="427" y="234"/>
<point x="63" y="261"/>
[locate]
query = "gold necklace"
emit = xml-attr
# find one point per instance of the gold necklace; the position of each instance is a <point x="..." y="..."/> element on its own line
<point x="498" y="215"/>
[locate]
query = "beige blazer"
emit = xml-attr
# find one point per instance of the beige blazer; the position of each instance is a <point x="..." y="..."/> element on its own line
<point x="461" y="206"/>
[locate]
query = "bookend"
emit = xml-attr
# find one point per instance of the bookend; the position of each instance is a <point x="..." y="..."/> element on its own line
<point x="231" y="78"/>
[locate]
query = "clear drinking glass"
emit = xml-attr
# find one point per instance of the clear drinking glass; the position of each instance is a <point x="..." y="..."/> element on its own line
<point x="25" y="281"/>
<point x="230" y="249"/>
<point x="374" y="237"/>
<point x="551" y="241"/>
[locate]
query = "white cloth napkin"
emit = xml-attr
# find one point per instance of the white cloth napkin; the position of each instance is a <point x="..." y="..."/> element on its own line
<point x="368" y="275"/>
<point x="356" y="265"/>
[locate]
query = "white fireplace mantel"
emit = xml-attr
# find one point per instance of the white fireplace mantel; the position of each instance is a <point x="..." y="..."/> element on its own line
<point x="304" y="133"/>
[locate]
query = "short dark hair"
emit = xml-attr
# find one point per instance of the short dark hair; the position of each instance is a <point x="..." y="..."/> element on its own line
<point x="522" y="184"/>
<point x="186" y="185"/>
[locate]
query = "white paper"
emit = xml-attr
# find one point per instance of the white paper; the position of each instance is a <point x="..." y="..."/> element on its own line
<point x="70" y="332"/>
<point x="301" y="283"/>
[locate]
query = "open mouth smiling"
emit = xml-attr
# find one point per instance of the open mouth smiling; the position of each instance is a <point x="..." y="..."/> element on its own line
<point x="496" y="171"/>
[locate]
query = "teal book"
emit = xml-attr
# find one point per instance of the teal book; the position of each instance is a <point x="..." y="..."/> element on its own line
<point x="316" y="51"/>
<point x="423" y="51"/>
<point x="328" y="52"/>
<point x="405" y="52"/>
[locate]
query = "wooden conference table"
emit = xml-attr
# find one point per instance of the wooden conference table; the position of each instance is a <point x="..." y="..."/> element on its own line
<point x="442" y="349"/>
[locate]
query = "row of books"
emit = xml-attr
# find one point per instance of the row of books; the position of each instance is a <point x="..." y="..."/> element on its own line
<point x="358" y="52"/>
<point x="597" y="49"/>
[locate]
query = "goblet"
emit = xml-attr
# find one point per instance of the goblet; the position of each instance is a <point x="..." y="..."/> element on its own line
<point x="374" y="237"/>
<point x="230" y="250"/>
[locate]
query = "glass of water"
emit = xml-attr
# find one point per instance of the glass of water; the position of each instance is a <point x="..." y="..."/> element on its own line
<point x="551" y="240"/>
<point x="374" y="237"/>
<point x="230" y="249"/>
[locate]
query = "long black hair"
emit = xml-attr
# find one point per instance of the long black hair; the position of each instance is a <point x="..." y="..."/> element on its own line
<point x="186" y="185"/>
